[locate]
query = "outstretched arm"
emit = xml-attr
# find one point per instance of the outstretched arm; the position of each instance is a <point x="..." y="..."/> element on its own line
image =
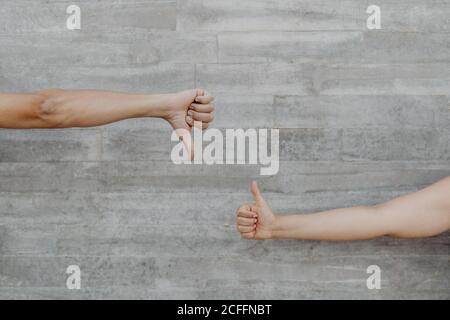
<point x="57" y="108"/>
<point x="421" y="214"/>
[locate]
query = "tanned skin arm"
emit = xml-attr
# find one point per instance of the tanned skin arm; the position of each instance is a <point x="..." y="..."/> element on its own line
<point x="56" y="108"/>
<point x="424" y="213"/>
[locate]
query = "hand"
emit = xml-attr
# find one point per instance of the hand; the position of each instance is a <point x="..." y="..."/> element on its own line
<point x="185" y="107"/>
<point x="256" y="221"/>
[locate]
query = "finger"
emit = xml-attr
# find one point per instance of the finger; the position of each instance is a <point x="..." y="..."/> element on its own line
<point x="198" y="116"/>
<point x="202" y="107"/>
<point x="189" y="120"/>
<point x="197" y="125"/>
<point x="243" y="229"/>
<point x="246" y="213"/>
<point x="200" y="92"/>
<point x="256" y="193"/>
<point x="248" y="235"/>
<point x="185" y="136"/>
<point x="204" y="99"/>
<point x="245" y="221"/>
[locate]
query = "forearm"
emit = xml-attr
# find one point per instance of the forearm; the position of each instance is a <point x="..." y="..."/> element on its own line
<point x="423" y="213"/>
<point x="81" y="108"/>
<point x="356" y="223"/>
<point x="88" y="108"/>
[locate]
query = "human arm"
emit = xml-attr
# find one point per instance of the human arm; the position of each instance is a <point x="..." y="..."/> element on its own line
<point x="420" y="214"/>
<point x="56" y="108"/>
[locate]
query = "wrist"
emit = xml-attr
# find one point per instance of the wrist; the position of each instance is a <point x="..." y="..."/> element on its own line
<point x="275" y="227"/>
<point x="279" y="227"/>
<point x="158" y="105"/>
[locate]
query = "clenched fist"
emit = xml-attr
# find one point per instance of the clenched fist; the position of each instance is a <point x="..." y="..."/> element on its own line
<point x="185" y="107"/>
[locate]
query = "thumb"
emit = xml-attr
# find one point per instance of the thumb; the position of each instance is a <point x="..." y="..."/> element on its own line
<point x="185" y="136"/>
<point x="256" y="193"/>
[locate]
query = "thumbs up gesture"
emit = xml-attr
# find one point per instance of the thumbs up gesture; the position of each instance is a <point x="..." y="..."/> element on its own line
<point x="256" y="221"/>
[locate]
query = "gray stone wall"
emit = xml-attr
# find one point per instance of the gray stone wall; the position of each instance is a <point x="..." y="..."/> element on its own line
<point x="363" y="117"/>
